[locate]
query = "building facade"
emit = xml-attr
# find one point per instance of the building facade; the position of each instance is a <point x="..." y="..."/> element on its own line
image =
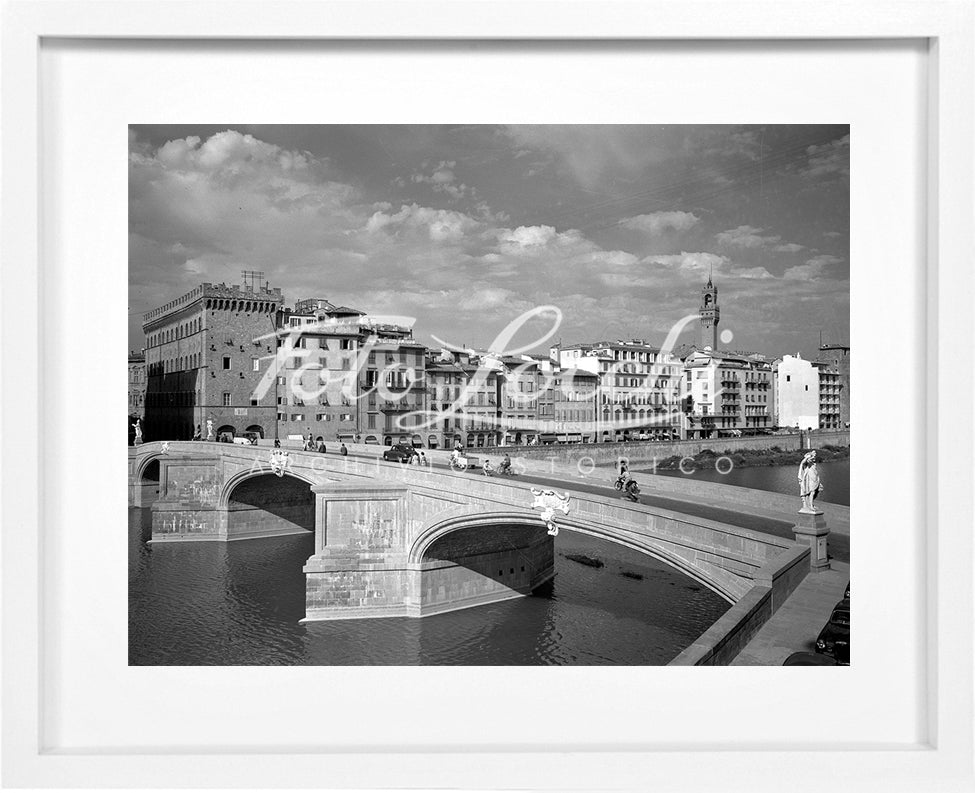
<point x="639" y="390"/>
<point x="316" y="384"/>
<point x="837" y="356"/>
<point x="392" y="386"/>
<point x="797" y="393"/>
<point x="206" y="354"/>
<point x="829" y="396"/>
<point x="726" y="394"/>
<point x="137" y="384"/>
<point x="576" y="395"/>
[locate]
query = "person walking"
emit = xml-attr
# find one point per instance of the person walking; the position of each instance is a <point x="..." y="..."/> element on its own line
<point x="343" y="450"/>
<point x="321" y="445"/>
<point x="423" y="460"/>
<point x="198" y="435"/>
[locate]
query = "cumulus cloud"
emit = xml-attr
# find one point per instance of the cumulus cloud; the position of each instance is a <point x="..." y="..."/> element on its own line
<point x="814" y="268"/>
<point x="752" y="237"/>
<point x="443" y="180"/>
<point x="660" y="222"/>
<point x="697" y="262"/>
<point x="439" y="225"/>
<point x="828" y="158"/>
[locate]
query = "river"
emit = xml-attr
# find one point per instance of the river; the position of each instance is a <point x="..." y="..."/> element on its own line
<point x="835" y="476"/>
<point x="239" y="604"/>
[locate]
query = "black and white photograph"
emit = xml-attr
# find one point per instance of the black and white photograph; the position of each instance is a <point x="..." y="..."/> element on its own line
<point x="489" y="395"/>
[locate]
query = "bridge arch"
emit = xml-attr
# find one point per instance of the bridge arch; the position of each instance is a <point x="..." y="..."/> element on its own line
<point x="264" y="505"/>
<point x="147" y="466"/>
<point x="467" y="517"/>
<point x="261" y="470"/>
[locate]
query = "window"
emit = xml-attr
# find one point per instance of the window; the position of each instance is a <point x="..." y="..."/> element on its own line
<point x="226" y="399"/>
<point x="788" y="378"/>
<point x="345" y="344"/>
<point x="807" y="388"/>
<point x="320" y="416"/>
<point x="282" y="416"/>
<point x="255" y="364"/>
<point x="253" y="402"/>
<point x="297" y="416"/>
<point x="371" y="421"/>
<point x="280" y="381"/>
<point x="226" y="362"/>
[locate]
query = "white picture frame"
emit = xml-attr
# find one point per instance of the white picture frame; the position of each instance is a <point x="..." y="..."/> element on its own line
<point x="942" y="760"/>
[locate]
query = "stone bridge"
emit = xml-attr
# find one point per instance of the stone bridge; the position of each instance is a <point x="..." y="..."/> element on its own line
<point x="397" y="540"/>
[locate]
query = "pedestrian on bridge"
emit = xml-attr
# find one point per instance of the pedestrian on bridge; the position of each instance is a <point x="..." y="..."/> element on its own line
<point x="343" y="450"/>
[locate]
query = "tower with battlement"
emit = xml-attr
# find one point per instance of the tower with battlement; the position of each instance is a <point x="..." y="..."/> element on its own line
<point x="710" y="316"/>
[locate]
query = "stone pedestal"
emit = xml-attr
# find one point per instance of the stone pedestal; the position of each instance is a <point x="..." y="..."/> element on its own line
<point x="811" y="530"/>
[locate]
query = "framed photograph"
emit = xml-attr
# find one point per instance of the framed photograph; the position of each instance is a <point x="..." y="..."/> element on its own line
<point x="620" y="243"/>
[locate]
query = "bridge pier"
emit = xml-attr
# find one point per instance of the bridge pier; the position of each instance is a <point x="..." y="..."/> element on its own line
<point x="362" y="567"/>
<point x="187" y="507"/>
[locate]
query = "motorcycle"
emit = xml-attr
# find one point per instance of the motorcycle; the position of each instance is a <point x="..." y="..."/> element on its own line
<point x="501" y="470"/>
<point x="631" y="488"/>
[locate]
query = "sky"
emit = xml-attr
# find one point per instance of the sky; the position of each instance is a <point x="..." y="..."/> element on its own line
<point x="466" y="227"/>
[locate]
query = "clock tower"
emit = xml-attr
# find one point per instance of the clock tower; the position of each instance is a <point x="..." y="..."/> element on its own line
<point x="710" y="314"/>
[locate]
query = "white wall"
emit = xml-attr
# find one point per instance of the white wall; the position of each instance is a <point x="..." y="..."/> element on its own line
<point x="797" y="393"/>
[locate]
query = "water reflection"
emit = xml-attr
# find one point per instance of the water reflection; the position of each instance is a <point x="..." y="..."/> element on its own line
<point x="240" y="603"/>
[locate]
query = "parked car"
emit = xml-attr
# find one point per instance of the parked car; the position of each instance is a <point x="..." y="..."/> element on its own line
<point x="400" y="453"/>
<point x="809" y="659"/>
<point x="834" y="638"/>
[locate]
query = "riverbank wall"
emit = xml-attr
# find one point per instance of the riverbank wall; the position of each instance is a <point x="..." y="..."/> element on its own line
<point x="648" y="451"/>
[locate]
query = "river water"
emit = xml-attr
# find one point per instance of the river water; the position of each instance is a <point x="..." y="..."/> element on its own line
<point x="239" y="603"/>
<point x="835" y="476"/>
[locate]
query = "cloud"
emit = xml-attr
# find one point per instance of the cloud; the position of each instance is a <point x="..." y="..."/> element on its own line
<point x="204" y="208"/>
<point x="659" y="222"/>
<point x="443" y="180"/>
<point x="828" y="158"/>
<point x="752" y="237"/>
<point x="814" y="268"/>
<point x="696" y="262"/>
<point x="439" y="225"/>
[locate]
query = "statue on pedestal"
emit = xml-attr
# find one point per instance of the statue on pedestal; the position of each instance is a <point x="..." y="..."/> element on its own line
<point x="209" y="429"/>
<point x="138" y="432"/>
<point x="810" y="485"/>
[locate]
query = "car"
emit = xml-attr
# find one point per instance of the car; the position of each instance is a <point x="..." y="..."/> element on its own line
<point x="834" y="638"/>
<point x="400" y="453"/>
<point x="809" y="659"/>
